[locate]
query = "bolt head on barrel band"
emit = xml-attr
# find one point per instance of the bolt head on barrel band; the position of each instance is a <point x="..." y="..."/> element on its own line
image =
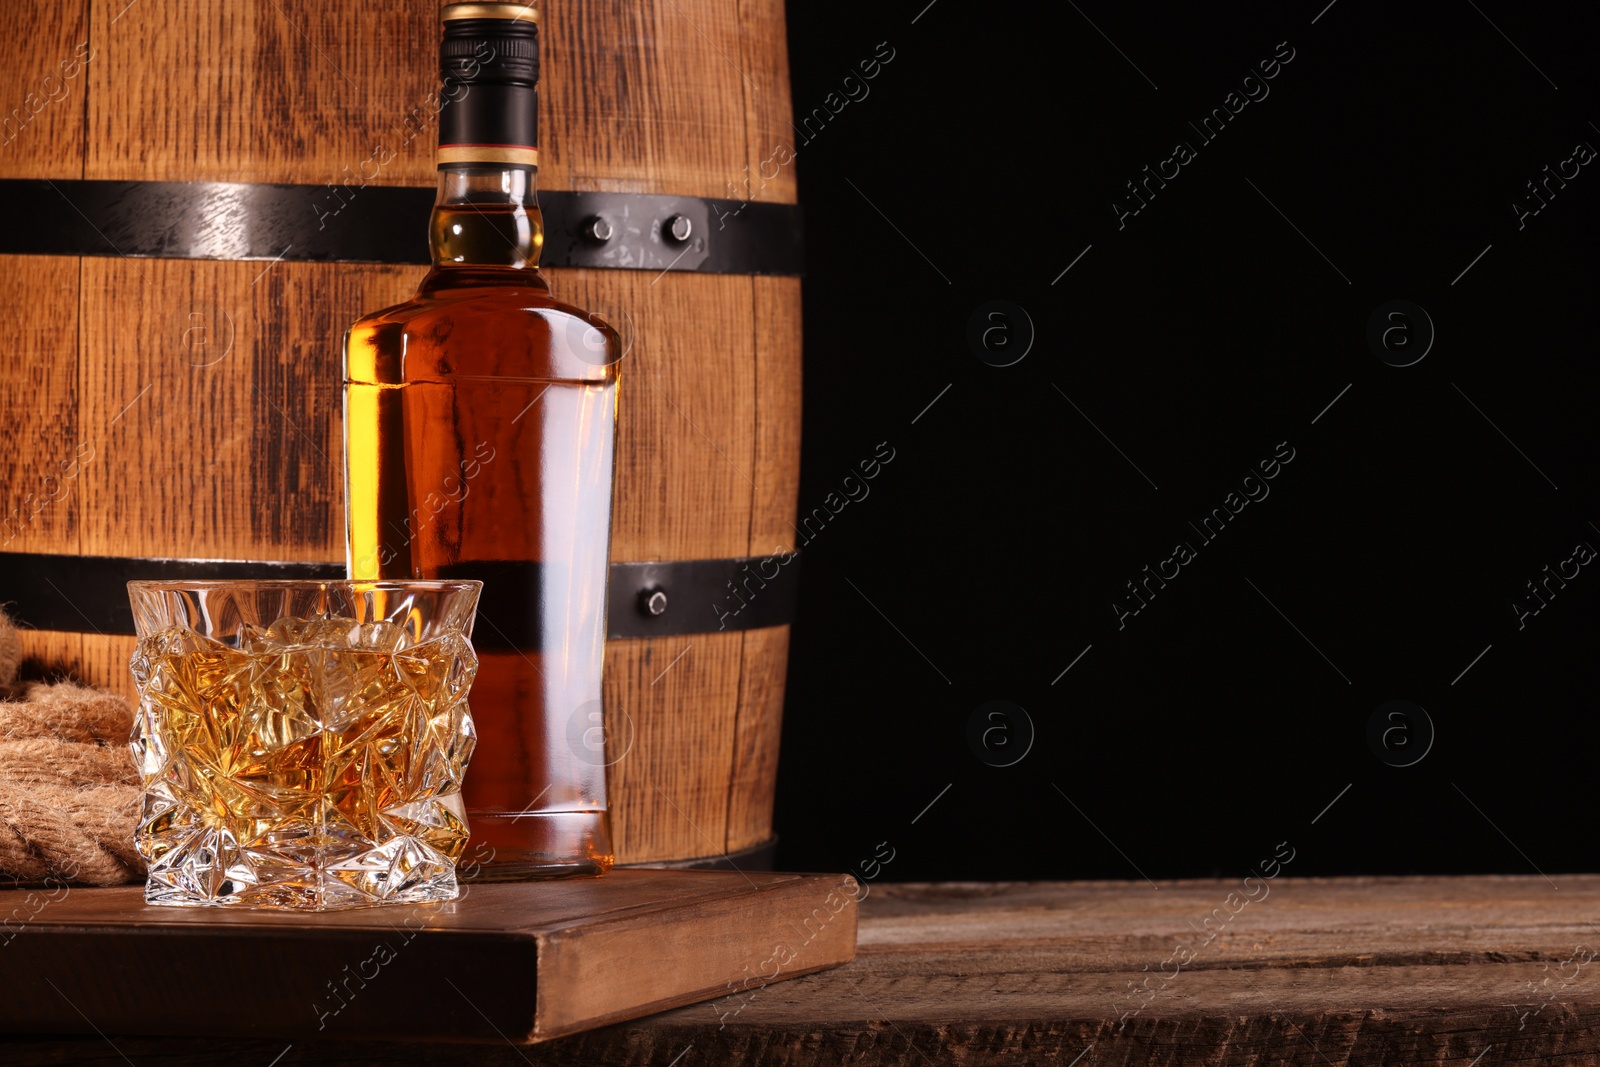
<point x="653" y="602"/>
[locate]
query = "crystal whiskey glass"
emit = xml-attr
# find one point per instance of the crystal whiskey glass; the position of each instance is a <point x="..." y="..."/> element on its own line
<point x="302" y="744"/>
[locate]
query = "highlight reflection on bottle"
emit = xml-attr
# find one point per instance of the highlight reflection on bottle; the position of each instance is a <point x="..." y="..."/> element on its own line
<point x="480" y="427"/>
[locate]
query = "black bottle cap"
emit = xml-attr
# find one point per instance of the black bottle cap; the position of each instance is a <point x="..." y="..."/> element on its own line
<point x="489" y="69"/>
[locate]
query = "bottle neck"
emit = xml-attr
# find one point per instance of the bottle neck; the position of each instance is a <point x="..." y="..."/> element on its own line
<point x="486" y="215"/>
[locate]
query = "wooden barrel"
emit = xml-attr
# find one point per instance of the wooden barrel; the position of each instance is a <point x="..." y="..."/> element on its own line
<point x="158" y="406"/>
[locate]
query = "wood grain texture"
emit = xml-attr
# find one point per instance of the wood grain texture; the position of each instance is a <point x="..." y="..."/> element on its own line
<point x="753" y="783"/>
<point x="686" y="424"/>
<point x="776" y="465"/>
<point x="527" y="961"/>
<point x="642" y="97"/>
<point x="103" y="661"/>
<point x="678" y="699"/>
<point x="767" y="107"/>
<point x="44" y="87"/>
<point x="775" y="469"/>
<point x="232" y="448"/>
<point x="283" y="90"/>
<point x="55" y="657"/>
<point x="1336" y="972"/>
<point x="668" y="97"/>
<point x="98" y="660"/>
<point x="42" y="462"/>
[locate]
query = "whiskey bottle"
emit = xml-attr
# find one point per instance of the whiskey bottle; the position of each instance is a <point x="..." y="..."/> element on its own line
<point x="480" y="426"/>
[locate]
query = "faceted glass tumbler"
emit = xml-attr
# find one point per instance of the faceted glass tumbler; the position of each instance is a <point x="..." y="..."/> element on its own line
<point x="302" y="743"/>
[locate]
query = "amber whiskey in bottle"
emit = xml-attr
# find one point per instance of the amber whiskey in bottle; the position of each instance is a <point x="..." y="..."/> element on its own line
<point x="480" y="425"/>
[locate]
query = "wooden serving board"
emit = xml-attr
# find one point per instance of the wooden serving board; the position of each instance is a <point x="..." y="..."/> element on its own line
<point x="510" y="962"/>
<point x="1479" y="971"/>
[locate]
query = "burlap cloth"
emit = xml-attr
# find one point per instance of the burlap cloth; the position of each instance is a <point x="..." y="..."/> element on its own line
<point x="69" y="795"/>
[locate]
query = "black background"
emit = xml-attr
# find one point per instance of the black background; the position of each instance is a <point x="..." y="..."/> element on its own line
<point x="1208" y="329"/>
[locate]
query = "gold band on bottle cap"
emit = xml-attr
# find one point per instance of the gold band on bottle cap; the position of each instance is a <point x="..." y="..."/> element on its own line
<point x="517" y="12"/>
<point x="489" y="153"/>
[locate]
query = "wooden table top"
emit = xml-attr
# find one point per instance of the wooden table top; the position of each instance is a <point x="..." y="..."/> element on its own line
<point x="1464" y="971"/>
